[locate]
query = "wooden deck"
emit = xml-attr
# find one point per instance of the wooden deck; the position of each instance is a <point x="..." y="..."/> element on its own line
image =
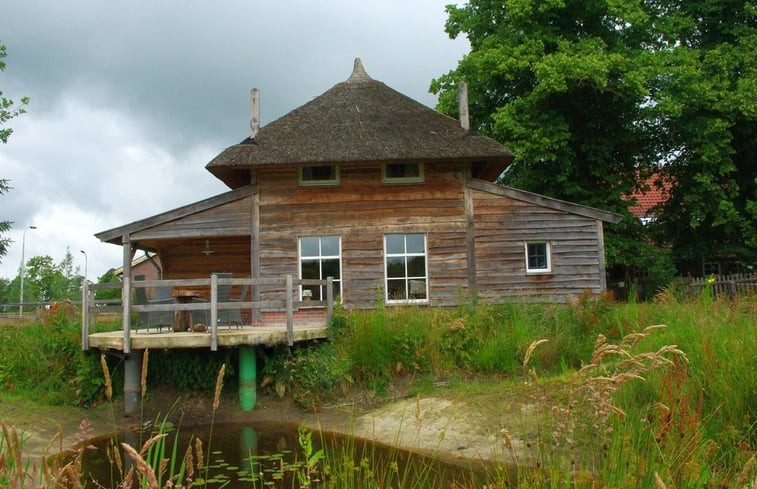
<point x="246" y="335"/>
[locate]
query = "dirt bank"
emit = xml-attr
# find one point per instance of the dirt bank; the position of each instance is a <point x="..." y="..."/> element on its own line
<point x="450" y="428"/>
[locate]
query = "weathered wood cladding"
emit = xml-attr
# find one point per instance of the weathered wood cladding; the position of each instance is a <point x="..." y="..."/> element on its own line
<point x="230" y="219"/>
<point x="361" y="209"/>
<point x="503" y="225"/>
<point x="187" y="258"/>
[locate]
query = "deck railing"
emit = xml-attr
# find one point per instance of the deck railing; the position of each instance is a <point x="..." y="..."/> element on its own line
<point x="285" y="302"/>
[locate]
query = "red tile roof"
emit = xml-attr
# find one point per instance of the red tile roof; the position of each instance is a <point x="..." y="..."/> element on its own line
<point x="650" y="197"/>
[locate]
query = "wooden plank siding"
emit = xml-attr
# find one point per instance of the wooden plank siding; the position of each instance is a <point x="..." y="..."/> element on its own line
<point x="502" y="225"/>
<point x="361" y="210"/>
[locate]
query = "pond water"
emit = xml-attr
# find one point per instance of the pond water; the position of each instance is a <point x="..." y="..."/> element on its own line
<point x="273" y="455"/>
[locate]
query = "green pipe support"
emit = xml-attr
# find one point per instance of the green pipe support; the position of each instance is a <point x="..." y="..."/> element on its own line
<point x="247" y="377"/>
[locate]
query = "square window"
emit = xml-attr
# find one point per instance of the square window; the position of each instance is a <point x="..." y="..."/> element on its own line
<point x="405" y="268"/>
<point x="313" y="176"/>
<point x="538" y="258"/>
<point x="402" y="173"/>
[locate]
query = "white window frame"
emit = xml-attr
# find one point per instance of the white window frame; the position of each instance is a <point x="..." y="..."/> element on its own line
<point x="548" y="251"/>
<point x="318" y="183"/>
<point x="320" y="258"/>
<point x="419" y="179"/>
<point x="407" y="278"/>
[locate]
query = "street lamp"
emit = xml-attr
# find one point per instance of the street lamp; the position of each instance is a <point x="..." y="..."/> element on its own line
<point x="23" y="269"/>
<point x="85" y="263"/>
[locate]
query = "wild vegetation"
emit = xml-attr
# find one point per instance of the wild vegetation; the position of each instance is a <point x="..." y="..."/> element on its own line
<point x="626" y="395"/>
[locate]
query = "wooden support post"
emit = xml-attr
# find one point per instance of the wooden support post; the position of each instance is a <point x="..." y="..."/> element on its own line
<point x="290" y="312"/>
<point x="85" y="315"/>
<point x="329" y="300"/>
<point x="214" y="312"/>
<point x="126" y="294"/>
<point x="132" y="381"/>
<point x="601" y="256"/>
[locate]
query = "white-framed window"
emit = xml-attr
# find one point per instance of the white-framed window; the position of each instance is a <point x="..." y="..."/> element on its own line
<point x="320" y="175"/>
<point x="538" y="256"/>
<point x="402" y="173"/>
<point x="320" y="258"/>
<point x="406" y="268"/>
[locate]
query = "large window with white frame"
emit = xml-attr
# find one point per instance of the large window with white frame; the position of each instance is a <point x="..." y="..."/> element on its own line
<point x="402" y="173"/>
<point x="538" y="257"/>
<point x="320" y="258"/>
<point x="406" y="268"/>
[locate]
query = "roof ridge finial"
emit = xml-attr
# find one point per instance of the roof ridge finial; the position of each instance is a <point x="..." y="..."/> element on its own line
<point x="358" y="73"/>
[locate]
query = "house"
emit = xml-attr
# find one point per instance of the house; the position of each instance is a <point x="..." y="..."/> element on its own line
<point x="390" y="198"/>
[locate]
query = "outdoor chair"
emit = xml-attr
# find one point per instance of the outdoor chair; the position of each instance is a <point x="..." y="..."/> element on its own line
<point x="156" y="319"/>
<point x="229" y="317"/>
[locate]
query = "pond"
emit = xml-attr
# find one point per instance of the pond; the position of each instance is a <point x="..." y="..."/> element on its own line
<point x="275" y="455"/>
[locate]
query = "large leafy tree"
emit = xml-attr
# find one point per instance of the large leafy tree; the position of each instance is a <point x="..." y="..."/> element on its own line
<point x="8" y="110"/>
<point x="563" y="83"/>
<point x="707" y="103"/>
<point x="591" y="95"/>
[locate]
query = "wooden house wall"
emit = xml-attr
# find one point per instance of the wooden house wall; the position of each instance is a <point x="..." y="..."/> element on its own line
<point x="503" y="225"/>
<point x="361" y="210"/>
<point x="231" y="219"/>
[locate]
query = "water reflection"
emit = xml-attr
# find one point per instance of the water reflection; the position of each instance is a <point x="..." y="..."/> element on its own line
<point x="270" y="455"/>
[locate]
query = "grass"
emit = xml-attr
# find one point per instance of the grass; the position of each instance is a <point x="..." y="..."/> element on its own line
<point x="672" y="406"/>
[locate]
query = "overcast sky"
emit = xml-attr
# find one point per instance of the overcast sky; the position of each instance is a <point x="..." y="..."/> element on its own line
<point x="130" y="100"/>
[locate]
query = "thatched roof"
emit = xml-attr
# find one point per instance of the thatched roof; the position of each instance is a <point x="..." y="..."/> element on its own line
<point x="360" y="120"/>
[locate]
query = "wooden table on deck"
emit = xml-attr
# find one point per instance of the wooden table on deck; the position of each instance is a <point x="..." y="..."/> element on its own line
<point x="182" y="320"/>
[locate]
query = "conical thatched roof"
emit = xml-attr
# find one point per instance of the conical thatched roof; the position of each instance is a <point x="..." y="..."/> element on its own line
<point x="359" y="120"/>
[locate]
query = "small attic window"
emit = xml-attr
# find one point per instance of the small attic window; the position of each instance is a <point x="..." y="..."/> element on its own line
<point x="402" y="173"/>
<point x="314" y="176"/>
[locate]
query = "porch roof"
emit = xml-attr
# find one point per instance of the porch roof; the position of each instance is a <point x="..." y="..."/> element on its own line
<point x="115" y="235"/>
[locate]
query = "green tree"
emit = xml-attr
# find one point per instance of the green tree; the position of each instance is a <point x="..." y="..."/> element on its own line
<point x="592" y="95"/>
<point x="563" y="83"/>
<point x="46" y="281"/>
<point x="108" y="277"/>
<point x="8" y="110"/>
<point x="708" y="104"/>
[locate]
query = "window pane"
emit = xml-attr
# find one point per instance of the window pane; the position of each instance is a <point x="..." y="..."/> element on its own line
<point x="395" y="266"/>
<point x="537" y="255"/>
<point x="396" y="290"/>
<point x="315" y="292"/>
<point x="417" y="289"/>
<point x="416" y="266"/>
<point x="309" y="246"/>
<point x="315" y="173"/>
<point x="402" y="170"/>
<point x="329" y="268"/>
<point x="416" y="243"/>
<point x="310" y="269"/>
<point x="330" y="246"/>
<point x="395" y="243"/>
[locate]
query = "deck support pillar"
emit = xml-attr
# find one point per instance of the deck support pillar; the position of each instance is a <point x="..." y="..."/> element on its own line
<point x="132" y="381"/>
<point x="247" y="377"/>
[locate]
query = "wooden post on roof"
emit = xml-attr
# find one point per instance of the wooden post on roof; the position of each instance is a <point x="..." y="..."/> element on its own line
<point x="290" y="312"/>
<point x="462" y="101"/>
<point x="254" y="112"/>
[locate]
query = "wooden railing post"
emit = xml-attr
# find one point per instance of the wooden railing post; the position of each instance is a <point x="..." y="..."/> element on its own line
<point x="213" y="312"/>
<point x="290" y="311"/>
<point x="329" y="300"/>
<point x="85" y="315"/>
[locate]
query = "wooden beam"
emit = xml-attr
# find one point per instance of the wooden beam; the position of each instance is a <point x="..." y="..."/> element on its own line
<point x="470" y="239"/>
<point x="601" y="253"/>
<point x="126" y="292"/>
<point x="255" y="240"/>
